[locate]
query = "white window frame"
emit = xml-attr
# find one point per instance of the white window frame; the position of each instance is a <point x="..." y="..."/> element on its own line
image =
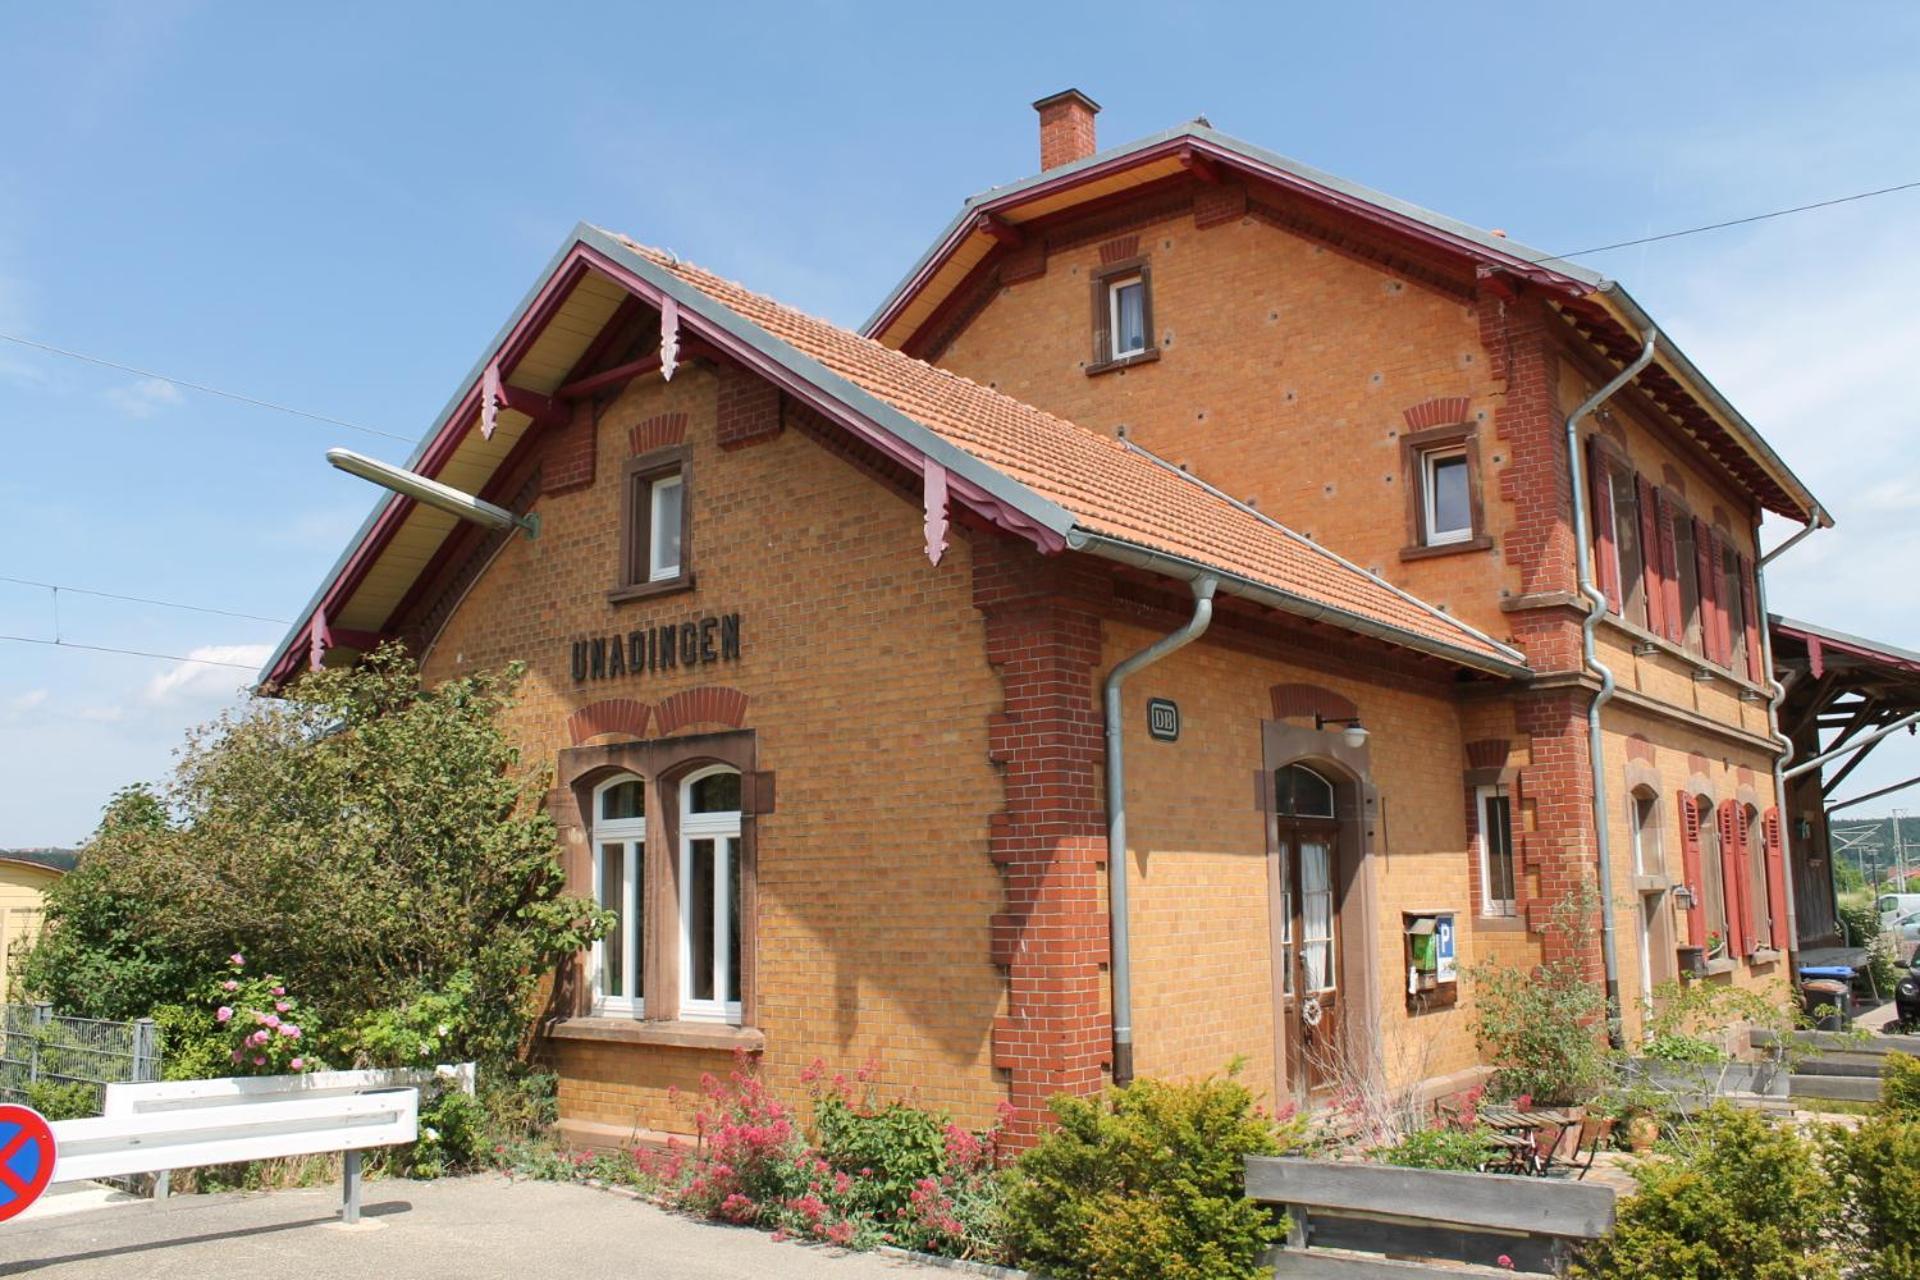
<point x="1433" y="535"/>
<point x="1491" y="906"/>
<point x="631" y="832"/>
<point x="1114" y="287"/>
<point x="657" y="569"/>
<point x="720" y="828"/>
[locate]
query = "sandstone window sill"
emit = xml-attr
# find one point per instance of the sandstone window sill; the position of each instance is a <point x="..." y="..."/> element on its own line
<point x="1500" y="924"/>
<point x="1698" y="665"/>
<point x="1423" y="552"/>
<point x="1124" y="362"/>
<point x="651" y="590"/>
<point x="667" y="1035"/>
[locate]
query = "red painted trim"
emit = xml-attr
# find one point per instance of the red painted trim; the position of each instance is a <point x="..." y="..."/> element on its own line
<point x="544" y="410"/>
<point x="1817" y="646"/>
<point x="620" y="373"/>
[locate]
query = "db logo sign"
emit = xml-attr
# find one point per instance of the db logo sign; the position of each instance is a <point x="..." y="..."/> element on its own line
<point x="1163" y="719"/>
<point x="26" y="1158"/>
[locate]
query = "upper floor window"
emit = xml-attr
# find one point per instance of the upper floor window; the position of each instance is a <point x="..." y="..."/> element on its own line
<point x="1494" y="808"/>
<point x="1617" y="543"/>
<point x="1127" y="315"/>
<point x="710" y="895"/>
<point x="654" y="523"/>
<point x="1445" y="503"/>
<point x="1122" y="315"/>
<point x="618" y="962"/>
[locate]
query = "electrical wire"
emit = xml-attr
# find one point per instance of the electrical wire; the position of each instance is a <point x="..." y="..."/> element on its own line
<point x="57" y="588"/>
<point x="134" y="653"/>
<point x="201" y="386"/>
<point x="1730" y="222"/>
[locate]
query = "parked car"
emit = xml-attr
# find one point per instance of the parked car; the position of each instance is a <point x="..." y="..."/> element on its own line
<point x="1892" y="906"/>
<point x="1906" y="999"/>
<point x="1906" y="934"/>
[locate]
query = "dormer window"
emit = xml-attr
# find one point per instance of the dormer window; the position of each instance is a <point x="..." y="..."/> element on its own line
<point x="1127" y="316"/>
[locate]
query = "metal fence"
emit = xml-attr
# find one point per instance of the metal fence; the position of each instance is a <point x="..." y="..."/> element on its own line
<point x="41" y="1048"/>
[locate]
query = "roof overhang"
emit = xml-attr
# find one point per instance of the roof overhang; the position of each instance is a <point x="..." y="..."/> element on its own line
<point x="994" y="218"/>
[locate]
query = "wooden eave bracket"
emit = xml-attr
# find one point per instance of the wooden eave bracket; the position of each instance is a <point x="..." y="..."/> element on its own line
<point x="1201" y="167"/>
<point x="933" y="494"/>
<point x="1000" y="229"/>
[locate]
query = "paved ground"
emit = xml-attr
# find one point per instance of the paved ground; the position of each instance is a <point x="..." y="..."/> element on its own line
<point x="458" y="1229"/>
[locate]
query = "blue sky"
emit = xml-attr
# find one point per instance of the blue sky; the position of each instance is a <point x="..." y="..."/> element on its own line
<point x="334" y="209"/>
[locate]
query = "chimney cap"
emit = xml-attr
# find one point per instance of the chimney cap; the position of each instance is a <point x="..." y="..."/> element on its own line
<point x="1066" y="95"/>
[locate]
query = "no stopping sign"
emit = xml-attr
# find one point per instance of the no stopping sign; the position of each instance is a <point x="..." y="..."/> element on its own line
<point x="26" y="1158"/>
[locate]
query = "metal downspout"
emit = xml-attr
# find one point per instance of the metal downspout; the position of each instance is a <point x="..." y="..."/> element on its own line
<point x="1596" y="606"/>
<point x="1203" y="589"/>
<point x="1783" y="745"/>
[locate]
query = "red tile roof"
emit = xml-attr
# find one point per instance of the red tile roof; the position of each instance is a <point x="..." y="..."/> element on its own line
<point x="1110" y="489"/>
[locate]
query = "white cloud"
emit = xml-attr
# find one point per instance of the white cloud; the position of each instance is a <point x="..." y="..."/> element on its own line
<point x="27" y="701"/>
<point x="144" y="398"/>
<point x="186" y="682"/>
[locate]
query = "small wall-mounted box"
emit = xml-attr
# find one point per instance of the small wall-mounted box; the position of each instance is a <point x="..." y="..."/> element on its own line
<point x="1432" y="960"/>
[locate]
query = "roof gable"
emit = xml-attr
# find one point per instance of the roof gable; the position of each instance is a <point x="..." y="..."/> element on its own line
<point x="1038" y="476"/>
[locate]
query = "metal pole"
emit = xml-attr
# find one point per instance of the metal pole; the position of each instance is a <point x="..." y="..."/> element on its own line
<point x="1900" y="844"/>
<point x="1872" y="795"/>
<point x="146" y="1061"/>
<point x="350" y="1189"/>
<point x="1852" y="747"/>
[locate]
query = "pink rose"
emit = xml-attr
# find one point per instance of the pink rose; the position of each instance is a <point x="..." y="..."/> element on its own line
<point x="279" y="991"/>
<point x="271" y="1020"/>
<point x="236" y="960"/>
<point x="222" y="1014"/>
<point x="281" y="1006"/>
<point x="290" y="1031"/>
<point x="259" y="1062"/>
<point x="229" y="985"/>
<point x="259" y="1037"/>
<point x="298" y="1064"/>
<point x="236" y="1055"/>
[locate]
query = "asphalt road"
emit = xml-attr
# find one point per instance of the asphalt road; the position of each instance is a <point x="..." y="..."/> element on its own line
<point x="457" y="1229"/>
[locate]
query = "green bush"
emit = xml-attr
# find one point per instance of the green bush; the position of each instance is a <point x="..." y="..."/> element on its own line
<point x="1542" y="1025"/>
<point x="1862" y="924"/>
<point x="1145" y="1183"/>
<point x="1878" y="1169"/>
<point x="64" y="1099"/>
<point x="1444" y="1148"/>
<point x="1900" y="1086"/>
<point x="1739" y="1198"/>
<point x="453" y="1131"/>
<point x="193" y="1045"/>
<point x="375" y="843"/>
<point x="899" y="1143"/>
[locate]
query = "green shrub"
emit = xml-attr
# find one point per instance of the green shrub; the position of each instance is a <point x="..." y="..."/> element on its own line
<point x="1738" y="1198"/>
<point x="1145" y="1183"/>
<point x="376" y="843"/>
<point x="899" y="1143"/>
<point x="64" y="1099"/>
<point x="1443" y="1148"/>
<point x="1900" y="1086"/>
<point x="452" y="1139"/>
<point x="1862" y="924"/>
<point x="193" y="1045"/>
<point x="1541" y="1025"/>
<point x="1878" y="1169"/>
<point x="1679" y="1047"/>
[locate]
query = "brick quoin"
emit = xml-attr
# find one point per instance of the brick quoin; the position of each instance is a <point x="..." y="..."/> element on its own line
<point x="1049" y="841"/>
<point x="1560" y="847"/>
<point x="1539" y="546"/>
<point x="568" y="461"/>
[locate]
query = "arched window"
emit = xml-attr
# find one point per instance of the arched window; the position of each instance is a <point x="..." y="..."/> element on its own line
<point x="619" y="885"/>
<point x="710" y="895"/>
<point x="1299" y="792"/>
<point x="1643" y="815"/>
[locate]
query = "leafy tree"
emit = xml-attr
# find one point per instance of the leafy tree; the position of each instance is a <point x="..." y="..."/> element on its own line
<point x="376" y="843"/>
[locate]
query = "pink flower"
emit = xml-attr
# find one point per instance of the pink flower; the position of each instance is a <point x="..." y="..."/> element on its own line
<point x="281" y="1006"/>
<point x="237" y="960"/>
<point x="271" y="1020"/>
<point x="259" y="1062"/>
<point x="229" y="985"/>
<point x="1504" y="1261"/>
<point x="236" y="1055"/>
<point x="223" y="1014"/>
<point x="298" y="1064"/>
<point x="279" y="991"/>
<point x="259" y="1037"/>
<point x="290" y="1031"/>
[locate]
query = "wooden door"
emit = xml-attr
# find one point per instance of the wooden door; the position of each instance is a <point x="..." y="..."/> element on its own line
<point x="1311" y="933"/>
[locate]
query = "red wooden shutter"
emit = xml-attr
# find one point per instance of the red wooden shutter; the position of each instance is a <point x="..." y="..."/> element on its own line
<point x="1606" y="560"/>
<point x="1650" y="556"/>
<point x="1706" y="573"/>
<point x="1749" y="590"/>
<point x="1733" y="883"/>
<point x="1776" y="881"/>
<point x="1690" y="868"/>
<point x="1676" y="620"/>
<point x="1723" y="619"/>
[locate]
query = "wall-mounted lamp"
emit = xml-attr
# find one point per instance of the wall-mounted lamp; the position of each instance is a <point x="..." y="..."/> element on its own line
<point x="1683" y="897"/>
<point x="1354" y="735"/>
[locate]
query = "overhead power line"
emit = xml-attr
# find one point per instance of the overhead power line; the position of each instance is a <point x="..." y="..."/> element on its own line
<point x="57" y="588"/>
<point x="201" y="387"/>
<point x="134" y="653"/>
<point x="1730" y="222"/>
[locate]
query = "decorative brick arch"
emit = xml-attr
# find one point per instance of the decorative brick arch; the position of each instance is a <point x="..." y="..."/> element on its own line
<point x="1119" y="249"/>
<point x="1441" y="411"/>
<point x="1639" y="749"/>
<point x="662" y="431"/>
<point x="1699" y="763"/>
<point x="627" y="716"/>
<point x="1304" y="701"/>
<point x="708" y="704"/>
<point x="1488" y="753"/>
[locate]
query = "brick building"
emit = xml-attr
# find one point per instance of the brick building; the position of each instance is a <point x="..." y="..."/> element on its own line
<point x="831" y="640"/>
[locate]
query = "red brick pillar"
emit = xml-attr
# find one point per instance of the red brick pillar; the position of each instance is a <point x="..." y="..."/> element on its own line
<point x="1558" y="785"/>
<point x="1049" y="841"/>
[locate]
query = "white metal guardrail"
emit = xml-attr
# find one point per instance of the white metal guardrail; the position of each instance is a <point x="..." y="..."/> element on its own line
<point x="184" y="1124"/>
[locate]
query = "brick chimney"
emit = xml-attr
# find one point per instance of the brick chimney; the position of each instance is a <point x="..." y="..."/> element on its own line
<point x="1066" y="128"/>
